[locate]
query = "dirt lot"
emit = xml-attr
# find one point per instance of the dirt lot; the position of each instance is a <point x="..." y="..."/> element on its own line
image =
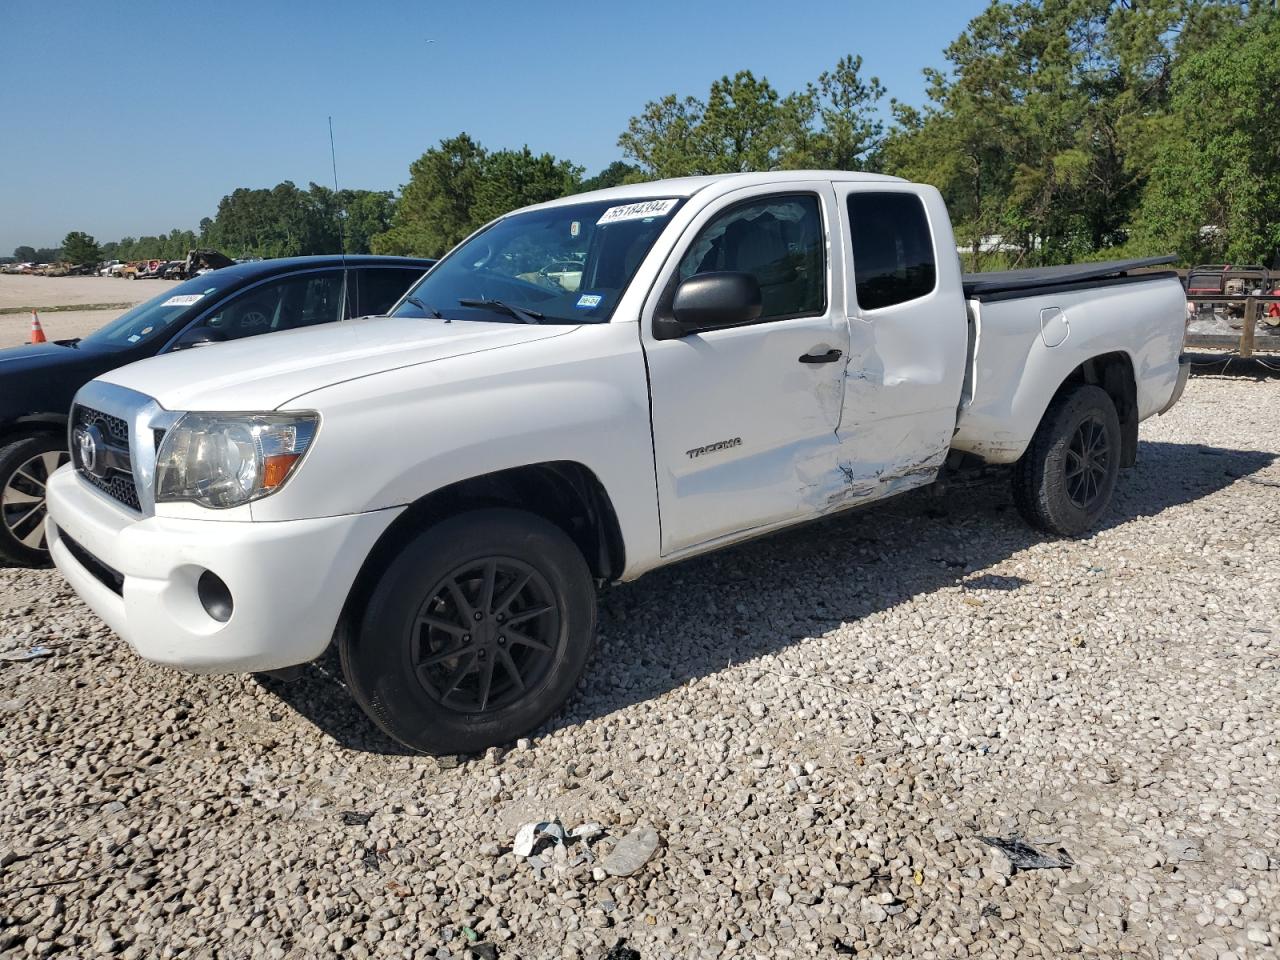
<point x="18" y="292"/>
<point x="819" y="726"/>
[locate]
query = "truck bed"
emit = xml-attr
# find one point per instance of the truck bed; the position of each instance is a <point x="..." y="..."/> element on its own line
<point x="1006" y="284"/>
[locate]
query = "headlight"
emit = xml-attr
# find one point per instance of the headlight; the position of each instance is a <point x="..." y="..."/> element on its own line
<point x="225" y="460"/>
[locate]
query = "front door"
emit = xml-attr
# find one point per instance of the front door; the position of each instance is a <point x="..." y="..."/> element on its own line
<point x="745" y="419"/>
<point x="908" y="337"/>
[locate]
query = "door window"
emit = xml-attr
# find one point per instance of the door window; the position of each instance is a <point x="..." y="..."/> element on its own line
<point x="779" y="241"/>
<point x="284" y="304"/>
<point x="893" y="258"/>
<point x="380" y="288"/>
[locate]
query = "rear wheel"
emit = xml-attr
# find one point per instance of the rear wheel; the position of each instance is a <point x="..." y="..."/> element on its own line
<point x="475" y="634"/>
<point x="25" y="467"/>
<point x="1064" y="482"/>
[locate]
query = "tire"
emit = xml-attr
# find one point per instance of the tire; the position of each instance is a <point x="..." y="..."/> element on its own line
<point x="463" y="571"/>
<point x="1064" y="482"/>
<point x="25" y="466"/>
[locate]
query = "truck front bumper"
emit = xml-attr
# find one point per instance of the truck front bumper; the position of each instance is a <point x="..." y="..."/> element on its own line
<point x="287" y="580"/>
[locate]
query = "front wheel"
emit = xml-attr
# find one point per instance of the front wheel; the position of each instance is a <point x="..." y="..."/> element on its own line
<point x="475" y="634"/>
<point x="25" y="467"/>
<point x="1065" y="480"/>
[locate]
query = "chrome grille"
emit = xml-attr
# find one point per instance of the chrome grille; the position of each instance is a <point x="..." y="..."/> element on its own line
<point x="118" y="483"/>
<point x="113" y="427"/>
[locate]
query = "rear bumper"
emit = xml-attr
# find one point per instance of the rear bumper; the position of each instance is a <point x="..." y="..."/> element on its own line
<point x="288" y="580"/>
<point x="1184" y="373"/>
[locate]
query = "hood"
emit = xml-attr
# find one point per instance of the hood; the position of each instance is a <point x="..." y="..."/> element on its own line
<point x="35" y="356"/>
<point x="266" y="372"/>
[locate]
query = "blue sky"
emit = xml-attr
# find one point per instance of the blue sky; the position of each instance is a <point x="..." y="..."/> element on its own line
<point x="132" y="119"/>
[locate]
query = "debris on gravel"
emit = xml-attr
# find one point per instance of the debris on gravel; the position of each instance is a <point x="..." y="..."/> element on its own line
<point x="1020" y="855"/>
<point x="790" y="748"/>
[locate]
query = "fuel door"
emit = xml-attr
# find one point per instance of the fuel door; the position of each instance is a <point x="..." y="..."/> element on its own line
<point x="1053" y="326"/>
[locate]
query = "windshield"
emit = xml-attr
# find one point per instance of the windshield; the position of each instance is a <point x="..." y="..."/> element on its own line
<point x="159" y="317"/>
<point x="566" y="264"/>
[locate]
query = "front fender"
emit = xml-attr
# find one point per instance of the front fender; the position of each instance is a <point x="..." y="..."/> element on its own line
<point x="389" y="439"/>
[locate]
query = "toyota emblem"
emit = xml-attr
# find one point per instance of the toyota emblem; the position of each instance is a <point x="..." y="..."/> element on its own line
<point x="88" y="444"/>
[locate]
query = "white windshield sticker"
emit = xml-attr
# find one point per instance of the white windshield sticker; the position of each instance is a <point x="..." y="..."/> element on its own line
<point x="184" y="300"/>
<point x="637" y="211"/>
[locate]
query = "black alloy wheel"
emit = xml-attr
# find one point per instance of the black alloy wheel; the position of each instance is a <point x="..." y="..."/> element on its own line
<point x="489" y="631"/>
<point x="475" y="632"/>
<point x="1064" y="481"/>
<point x="1088" y="462"/>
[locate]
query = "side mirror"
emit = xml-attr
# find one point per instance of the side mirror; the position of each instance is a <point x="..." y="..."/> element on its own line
<point x="708" y="301"/>
<point x="198" y="337"/>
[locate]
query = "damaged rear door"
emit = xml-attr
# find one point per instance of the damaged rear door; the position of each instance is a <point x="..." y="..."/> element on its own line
<point x="908" y="338"/>
<point x="745" y="418"/>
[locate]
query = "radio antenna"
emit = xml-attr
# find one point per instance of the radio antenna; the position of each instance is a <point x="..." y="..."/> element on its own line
<point x="342" y="240"/>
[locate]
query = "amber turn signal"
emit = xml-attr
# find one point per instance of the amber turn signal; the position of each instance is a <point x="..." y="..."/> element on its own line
<point x="276" y="468"/>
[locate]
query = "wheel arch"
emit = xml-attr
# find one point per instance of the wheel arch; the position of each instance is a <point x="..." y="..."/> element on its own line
<point x="1114" y="373"/>
<point x="30" y="425"/>
<point x="563" y="492"/>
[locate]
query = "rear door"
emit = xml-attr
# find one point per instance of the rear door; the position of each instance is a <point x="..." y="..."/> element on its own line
<point x="744" y="426"/>
<point x="908" y="337"/>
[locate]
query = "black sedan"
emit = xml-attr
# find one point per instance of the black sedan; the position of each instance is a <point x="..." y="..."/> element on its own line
<point x="38" y="381"/>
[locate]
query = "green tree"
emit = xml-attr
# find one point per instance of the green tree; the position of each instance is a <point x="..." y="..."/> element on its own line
<point x="459" y="186"/>
<point x="1218" y="165"/>
<point x="435" y="207"/>
<point x="24" y="254"/>
<point x="282" y="221"/>
<point x="365" y="214"/>
<point x="516" y="178"/>
<point x="746" y="125"/>
<point x="661" y="138"/>
<point x="1042" y="129"/>
<point x="614" y="175"/>
<point x="743" y="125"/>
<point x="851" y="127"/>
<point x="81" y="249"/>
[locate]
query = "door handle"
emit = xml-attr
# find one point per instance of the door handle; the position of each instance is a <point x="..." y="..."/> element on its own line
<point x="831" y="356"/>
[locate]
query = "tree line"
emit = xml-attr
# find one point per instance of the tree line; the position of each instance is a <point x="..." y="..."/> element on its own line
<point x="1057" y="130"/>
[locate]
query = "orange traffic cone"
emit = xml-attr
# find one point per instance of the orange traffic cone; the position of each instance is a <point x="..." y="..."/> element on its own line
<point x="37" y="331"/>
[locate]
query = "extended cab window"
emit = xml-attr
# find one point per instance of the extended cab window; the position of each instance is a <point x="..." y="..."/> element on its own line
<point x="779" y="241"/>
<point x="298" y="301"/>
<point x="892" y="248"/>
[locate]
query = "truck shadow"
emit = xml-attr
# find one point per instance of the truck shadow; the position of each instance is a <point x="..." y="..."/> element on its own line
<point x="760" y="597"/>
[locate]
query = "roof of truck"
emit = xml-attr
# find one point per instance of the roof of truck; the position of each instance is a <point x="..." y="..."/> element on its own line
<point x="688" y="186"/>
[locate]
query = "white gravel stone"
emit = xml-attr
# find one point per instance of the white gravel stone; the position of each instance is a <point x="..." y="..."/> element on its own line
<point x="816" y="725"/>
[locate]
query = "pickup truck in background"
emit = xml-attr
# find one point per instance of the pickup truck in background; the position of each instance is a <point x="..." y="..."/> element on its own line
<point x="440" y="491"/>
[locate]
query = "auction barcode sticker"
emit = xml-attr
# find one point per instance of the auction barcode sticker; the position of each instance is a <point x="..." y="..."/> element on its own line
<point x="637" y="211"/>
<point x="183" y="300"/>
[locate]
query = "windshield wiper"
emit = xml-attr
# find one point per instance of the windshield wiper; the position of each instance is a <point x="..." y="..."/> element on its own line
<point x="520" y="313"/>
<point x="425" y="307"/>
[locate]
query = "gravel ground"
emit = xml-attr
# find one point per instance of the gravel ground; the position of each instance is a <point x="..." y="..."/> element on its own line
<point x="818" y="726"/>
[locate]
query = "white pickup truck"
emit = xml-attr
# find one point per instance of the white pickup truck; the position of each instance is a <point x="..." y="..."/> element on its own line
<point x="441" y="491"/>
